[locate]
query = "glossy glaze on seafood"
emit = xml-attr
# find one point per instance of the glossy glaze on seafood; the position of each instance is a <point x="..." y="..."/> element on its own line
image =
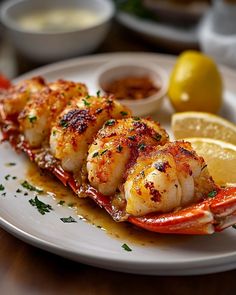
<point x="125" y="164"/>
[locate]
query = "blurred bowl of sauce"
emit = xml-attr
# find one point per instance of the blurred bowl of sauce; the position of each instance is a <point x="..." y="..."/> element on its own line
<point x="46" y="31"/>
<point x="140" y="86"/>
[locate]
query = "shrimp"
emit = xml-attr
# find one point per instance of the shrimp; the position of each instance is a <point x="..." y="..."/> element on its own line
<point x="118" y="143"/>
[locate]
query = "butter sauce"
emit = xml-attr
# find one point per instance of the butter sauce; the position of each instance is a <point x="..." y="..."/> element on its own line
<point x="58" y="20"/>
<point x="89" y="211"/>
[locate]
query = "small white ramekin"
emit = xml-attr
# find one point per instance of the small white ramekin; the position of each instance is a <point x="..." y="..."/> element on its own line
<point x="121" y="69"/>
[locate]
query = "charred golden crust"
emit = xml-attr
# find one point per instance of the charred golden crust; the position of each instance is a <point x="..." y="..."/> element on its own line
<point x="155" y="194"/>
<point x="15" y="98"/>
<point x="77" y="120"/>
<point x="138" y="136"/>
<point x="162" y="166"/>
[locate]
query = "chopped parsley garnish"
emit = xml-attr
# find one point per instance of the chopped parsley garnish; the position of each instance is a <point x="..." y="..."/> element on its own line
<point x="123" y="113"/>
<point x="7" y="176"/>
<point x="30" y="187"/>
<point x="126" y="247"/>
<point x="14" y="177"/>
<point x="203" y="167"/>
<point x="98" y="93"/>
<point x="136" y="118"/>
<point x="54" y="132"/>
<point x="87" y="104"/>
<point x="11" y="164"/>
<point x="25" y="194"/>
<point x="157" y="137"/>
<point x="68" y="219"/>
<point x="71" y="204"/>
<point x="212" y="194"/>
<point x="2" y="188"/>
<point x="3" y="194"/>
<point x="119" y="148"/>
<point x="41" y="206"/>
<point x="32" y="118"/>
<point x="110" y="122"/>
<point x="88" y="96"/>
<point x="61" y="202"/>
<point x="99" y="226"/>
<point x="63" y="123"/>
<point x="18" y="191"/>
<point x="103" y="152"/>
<point x="98" y="111"/>
<point x="234" y="226"/>
<point x="131" y="137"/>
<point x="95" y="154"/>
<point x="142" y="146"/>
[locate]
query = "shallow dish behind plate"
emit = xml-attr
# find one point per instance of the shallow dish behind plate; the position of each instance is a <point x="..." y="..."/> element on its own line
<point x="47" y="46"/>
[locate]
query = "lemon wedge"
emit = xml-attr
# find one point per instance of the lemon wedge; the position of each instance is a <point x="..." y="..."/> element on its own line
<point x="198" y="124"/>
<point x="220" y="157"/>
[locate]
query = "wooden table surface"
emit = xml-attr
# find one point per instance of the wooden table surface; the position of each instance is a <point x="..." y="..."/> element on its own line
<point x="27" y="270"/>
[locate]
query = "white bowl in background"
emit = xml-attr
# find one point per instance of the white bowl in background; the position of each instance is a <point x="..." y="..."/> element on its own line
<point x="48" y="46"/>
<point x="116" y="70"/>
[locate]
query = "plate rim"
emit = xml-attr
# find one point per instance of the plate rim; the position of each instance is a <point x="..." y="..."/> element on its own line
<point x="153" y="29"/>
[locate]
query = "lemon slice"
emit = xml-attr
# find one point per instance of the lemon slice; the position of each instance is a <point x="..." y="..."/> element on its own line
<point x="198" y="124"/>
<point x="220" y="157"/>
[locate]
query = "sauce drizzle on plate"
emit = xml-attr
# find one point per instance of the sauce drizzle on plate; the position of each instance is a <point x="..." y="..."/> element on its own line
<point x="88" y="211"/>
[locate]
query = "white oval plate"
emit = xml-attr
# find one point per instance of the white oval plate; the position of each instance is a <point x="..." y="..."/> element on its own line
<point x="161" y="33"/>
<point x="85" y="243"/>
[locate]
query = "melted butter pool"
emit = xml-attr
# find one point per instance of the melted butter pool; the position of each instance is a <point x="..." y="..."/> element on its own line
<point x="90" y="212"/>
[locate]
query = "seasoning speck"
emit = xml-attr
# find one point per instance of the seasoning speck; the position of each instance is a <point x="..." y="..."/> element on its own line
<point x="41" y="206"/>
<point x="7" y="176"/>
<point x="103" y="152"/>
<point x="10" y="164"/>
<point x="61" y="202"/>
<point x="126" y="247"/>
<point x="32" y="119"/>
<point x="119" y="148"/>
<point x="110" y="122"/>
<point x="123" y="113"/>
<point x="30" y="187"/>
<point x="63" y="123"/>
<point x="87" y="104"/>
<point x="212" y="194"/>
<point x="68" y="219"/>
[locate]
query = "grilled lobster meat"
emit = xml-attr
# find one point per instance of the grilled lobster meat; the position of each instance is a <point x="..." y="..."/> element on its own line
<point x="126" y="164"/>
